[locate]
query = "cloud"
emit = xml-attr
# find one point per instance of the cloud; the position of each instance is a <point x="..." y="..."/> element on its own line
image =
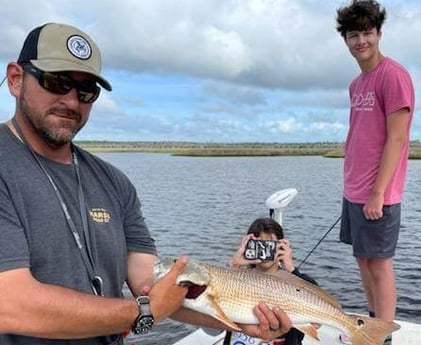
<point x="266" y="43"/>
<point x="181" y="69"/>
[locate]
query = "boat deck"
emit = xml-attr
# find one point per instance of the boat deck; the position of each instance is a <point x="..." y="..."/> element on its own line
<point x="408" y="334"/>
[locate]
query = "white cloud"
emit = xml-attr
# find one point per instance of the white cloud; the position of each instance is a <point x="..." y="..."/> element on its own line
<point x="246" y="64"/>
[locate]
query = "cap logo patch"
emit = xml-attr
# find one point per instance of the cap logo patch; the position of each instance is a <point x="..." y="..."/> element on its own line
<point x="79" y="47"/>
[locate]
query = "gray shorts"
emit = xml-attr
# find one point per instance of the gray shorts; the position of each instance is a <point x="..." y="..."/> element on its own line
<point x="370" y="238"/>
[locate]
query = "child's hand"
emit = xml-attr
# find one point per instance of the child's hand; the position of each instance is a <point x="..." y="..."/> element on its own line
<point x="238" y="259"/>
<point x="284" y="255"/>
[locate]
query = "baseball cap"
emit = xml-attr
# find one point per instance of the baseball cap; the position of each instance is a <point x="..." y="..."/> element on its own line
<point x="54" y="47"/>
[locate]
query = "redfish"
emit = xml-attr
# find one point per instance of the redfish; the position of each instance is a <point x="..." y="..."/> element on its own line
<point x="229" y="295"/>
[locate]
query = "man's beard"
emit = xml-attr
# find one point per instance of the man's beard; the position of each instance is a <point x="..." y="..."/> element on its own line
<point x="53" y="135"/>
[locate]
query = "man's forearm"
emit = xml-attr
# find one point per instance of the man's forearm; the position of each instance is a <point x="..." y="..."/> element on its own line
<point x="30" y="308"/>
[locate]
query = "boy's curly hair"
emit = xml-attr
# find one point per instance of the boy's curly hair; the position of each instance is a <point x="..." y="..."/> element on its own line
<point x="360" y="15"/>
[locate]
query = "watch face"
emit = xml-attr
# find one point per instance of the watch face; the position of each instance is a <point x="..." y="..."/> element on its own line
<point x="144" y="325"/>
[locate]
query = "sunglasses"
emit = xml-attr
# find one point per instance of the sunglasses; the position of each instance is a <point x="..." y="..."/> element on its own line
<point x="62" y="83"/>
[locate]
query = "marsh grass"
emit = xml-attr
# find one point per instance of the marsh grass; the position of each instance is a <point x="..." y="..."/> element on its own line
<point x="325" y="149"/>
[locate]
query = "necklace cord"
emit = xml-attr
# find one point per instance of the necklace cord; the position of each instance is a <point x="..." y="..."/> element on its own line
<point x="85" y="251"/>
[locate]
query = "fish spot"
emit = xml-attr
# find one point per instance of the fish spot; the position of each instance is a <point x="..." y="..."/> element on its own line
<point x="360" y="322"/>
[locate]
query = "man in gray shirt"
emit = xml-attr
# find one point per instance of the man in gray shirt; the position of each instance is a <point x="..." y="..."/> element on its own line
<point x="71" y="228"/>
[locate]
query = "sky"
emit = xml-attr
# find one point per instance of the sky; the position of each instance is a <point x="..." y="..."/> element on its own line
<point x="217" y="70"/>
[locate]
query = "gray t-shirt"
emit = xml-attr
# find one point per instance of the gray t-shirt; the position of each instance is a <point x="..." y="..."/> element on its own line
<point x="35" y="234"/>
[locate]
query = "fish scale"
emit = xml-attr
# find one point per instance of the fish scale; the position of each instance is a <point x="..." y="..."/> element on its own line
<point x="244" y="296"/>
<point x="231" y="294"/>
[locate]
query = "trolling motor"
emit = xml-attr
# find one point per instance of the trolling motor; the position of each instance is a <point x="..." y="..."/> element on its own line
<point x="278" y="201"/>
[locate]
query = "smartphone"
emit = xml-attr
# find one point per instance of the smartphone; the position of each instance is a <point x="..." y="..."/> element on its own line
<point x="260" y="249"/>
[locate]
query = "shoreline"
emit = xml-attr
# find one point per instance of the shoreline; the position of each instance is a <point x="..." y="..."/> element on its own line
<point x="191" y="149"/>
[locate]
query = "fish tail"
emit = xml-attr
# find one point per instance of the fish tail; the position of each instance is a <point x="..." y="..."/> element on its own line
<point x="371" y="331"/>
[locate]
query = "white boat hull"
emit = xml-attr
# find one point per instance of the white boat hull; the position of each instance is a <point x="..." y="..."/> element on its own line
<point x="409" y="334"/>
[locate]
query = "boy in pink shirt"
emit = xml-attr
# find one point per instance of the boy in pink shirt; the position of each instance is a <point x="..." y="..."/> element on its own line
<point x="376" y="154"/>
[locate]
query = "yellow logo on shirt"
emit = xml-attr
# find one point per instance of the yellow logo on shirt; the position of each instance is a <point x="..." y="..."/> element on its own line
<point x="100" y="215"/>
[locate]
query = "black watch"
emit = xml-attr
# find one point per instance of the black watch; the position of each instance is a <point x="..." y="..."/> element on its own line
<point x="144" y="321"/>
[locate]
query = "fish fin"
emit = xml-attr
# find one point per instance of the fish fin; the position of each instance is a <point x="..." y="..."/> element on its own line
<point x="229" y="323"/>
<point x="221" y="315"/>
<point x="370" y="330"/>
<point x="309" y="330"/>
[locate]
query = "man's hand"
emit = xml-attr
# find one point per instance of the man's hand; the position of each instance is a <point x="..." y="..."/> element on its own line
<point x="165" y="295"/>
<point x="272" y="323"/>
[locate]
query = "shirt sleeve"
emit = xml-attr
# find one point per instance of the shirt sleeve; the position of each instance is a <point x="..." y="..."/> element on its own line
<point x="397" y="91"/>
<point x="14" y="251"/>
<point x="138" y="237"/>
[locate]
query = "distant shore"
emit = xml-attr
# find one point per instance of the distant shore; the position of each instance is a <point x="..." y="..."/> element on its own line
<point x="325" y="149"/>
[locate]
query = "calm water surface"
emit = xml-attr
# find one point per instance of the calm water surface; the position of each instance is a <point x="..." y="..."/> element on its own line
<point x="203" y="206"/>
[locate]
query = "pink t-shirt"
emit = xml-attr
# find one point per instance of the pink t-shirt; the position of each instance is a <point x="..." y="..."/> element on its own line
<point x="374" y="95"/>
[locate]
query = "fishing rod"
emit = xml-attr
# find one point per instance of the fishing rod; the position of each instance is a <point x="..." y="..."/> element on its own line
<point x="4" y="79"/>
<point x="320" y="241"/>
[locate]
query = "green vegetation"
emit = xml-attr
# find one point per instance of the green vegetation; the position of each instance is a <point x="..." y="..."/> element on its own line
<point x="213" y="149"/>
<point x="176" y="148"/>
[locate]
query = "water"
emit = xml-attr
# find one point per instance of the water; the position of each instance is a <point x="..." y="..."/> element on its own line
<point x="203" y="206"/>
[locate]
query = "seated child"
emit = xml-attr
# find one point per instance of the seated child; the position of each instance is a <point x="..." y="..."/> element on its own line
<point x="267" y="229"/>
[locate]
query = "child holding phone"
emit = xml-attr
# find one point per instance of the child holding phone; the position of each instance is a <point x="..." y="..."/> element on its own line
<point x="269" y="230"/>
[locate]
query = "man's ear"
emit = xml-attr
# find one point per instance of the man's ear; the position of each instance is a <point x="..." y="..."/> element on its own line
<point x="14" y="74"/>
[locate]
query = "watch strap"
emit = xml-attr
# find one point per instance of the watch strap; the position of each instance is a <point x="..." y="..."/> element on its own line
<point x="145" y="320"/>
<point x="144" y="305"/>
